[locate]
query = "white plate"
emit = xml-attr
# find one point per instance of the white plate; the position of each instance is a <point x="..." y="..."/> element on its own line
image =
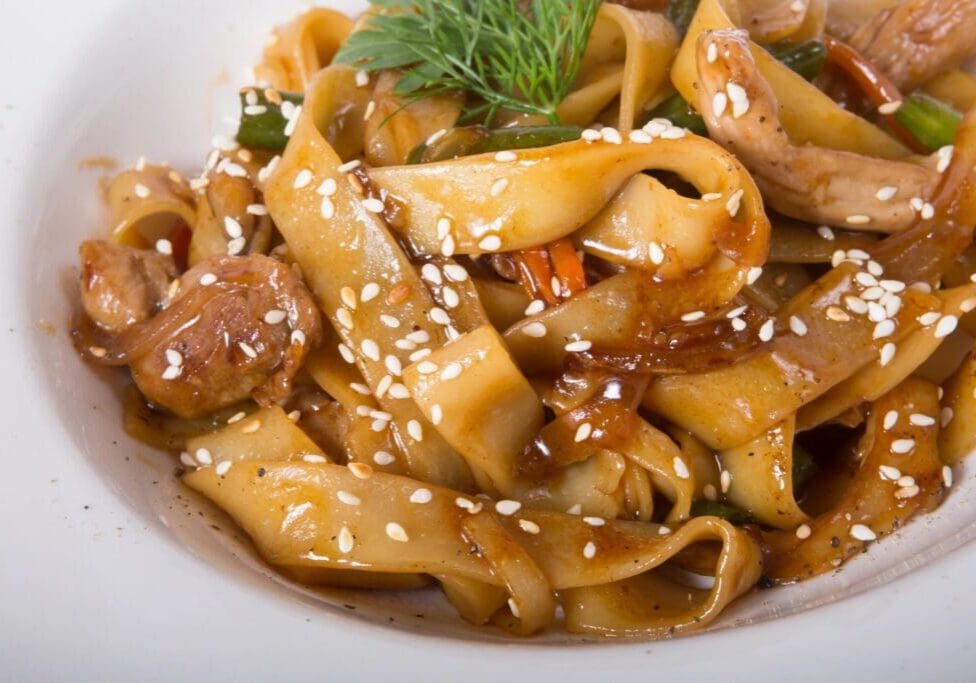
<point x="107" y="574"/>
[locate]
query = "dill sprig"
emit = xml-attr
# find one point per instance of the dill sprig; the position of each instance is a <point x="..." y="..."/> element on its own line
<point x="518" y="55"/>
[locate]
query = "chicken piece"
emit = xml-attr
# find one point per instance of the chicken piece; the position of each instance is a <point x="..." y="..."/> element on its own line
<point x="122" y="286"/>
<point x="813" y="184"/>
<point x="918" y="39"/>
<point x="237" y="327"/>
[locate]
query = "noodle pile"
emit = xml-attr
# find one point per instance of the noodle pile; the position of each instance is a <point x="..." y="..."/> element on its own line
<point x="583" y="374"/>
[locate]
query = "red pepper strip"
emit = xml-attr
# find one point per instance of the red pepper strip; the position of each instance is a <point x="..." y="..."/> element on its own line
<point x="877" y="87"/>
<point x="536" y="271"/>
<point x="568" y="267"/>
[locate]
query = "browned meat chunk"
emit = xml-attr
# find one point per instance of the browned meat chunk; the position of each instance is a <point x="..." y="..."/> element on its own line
<point x="122" y="286"/>
<point x="918" y="39"/>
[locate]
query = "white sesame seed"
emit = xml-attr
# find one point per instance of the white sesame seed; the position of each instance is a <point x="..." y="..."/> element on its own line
<point x="431" y="273"/>
<point x="499" y="186"/>
<point x="797" y="326"/>
<point x="370" y="110"/>
<point x="968" y="305"/>
<point x="921" y="420"/>
<point x="575" y="509"/>
<point x="590" y="135"/>
<point x="187" y="460"/>
<point x="883" y="329"/>
<point x="725" y="481"/>
<point x="907" y="492"/>
<point x="890" y="419"/>
<point x="583" y="432"/>
<point x="275" y="316"/>
<point x="889" y="107"/>
<point x="223" y="467"/>
<point x="448" y="246"/>
<point x="298" y="338"/>
<point x="141" y="190"/>
<point x="947" y="476"/>
<point x="451" y="298"/>
<point x="862" y="533"/>
<point x="455" y="272"/>
<point x="386" y="381"/>
<point x="711" y="54"/>
<point x="720" y="102"/>
<point x="589" y="550"/>
<point x="383" y="458"/>
<point x="393" y="365"/>
<point x="436" y="414"/>
<point x="426" y="368"/>
<point x="887" y="353"/>
<point x="348" y="297"/>
<point x="641" y="137"/>
<point x="693" y="316"/>
<point x="235" y="170"/>
<point x="451" y="371"/>
<point x="858" y="219"/>
<point x="826" y="233"/>
<point x="302" y="179"/>
<point x="415" y="431"/>
<point x="579" y="346"/>
<point x="916" y="203"/>
<point x="767" y="330"/>
<point x="172" y="372"/>
<point x="507" y="507"/>
<point x="738" y="324"/>
<point x="203" y="456"/>
<point x="893" y="286"/>
<point x="889" y="473"/>
<point x="327" y="208"/>
<point x="595" y="521"/>
<point x="837" y="315"/>
<point x="349" y="166"/>
<point x="927" y="212"/>
<point x="360" y="388"/>
<point x="345" y="540"/>
<point x="506" y="156"/>
<point x="945" y="417"/>
<point x="905" y="481"/>
<point x="373" y="205"/>
<point x="611" y="135"/>
<point x="360" y="470"/>
<point x="875" y="268"/>
<point x="902" y="446"/>
<point x="732" y="206"/>
<point x="947" y="325"/>
<point x="398" y="391"/>
<point x="876" y="312"/>
<point x="886" y="193"/>
<point x="248" y="350"/>
<point x="174" y="357"/>
<point x="370" y="291"/>
<point x="680" y="468"/>
<point x="345" y="318"/>
<point x="164" y="246"/>
<point x="390" y="321"/>
<point x="929" y="318"/>
<point x="207" y="279"/>
<point x="753" y="274"/>
<point x="490" y="243"/>
<point x="236" y="246"/>
<point x="534" y="329"/>
<point x="232" y="227"/>
<point x="347" y="498"/>
<point x="529" y="526"/>
<point x="739" y="98"/>
<point x="655" y="253"/>
<point x="396" y="532"/>
<point x="944" y="155"/>
<point x="866" y="279"/>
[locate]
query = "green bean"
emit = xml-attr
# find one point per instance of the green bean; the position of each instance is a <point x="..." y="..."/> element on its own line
<point x="459" y="142"/>
<point x="931" y="121"/>
<point x="806" y="58"/>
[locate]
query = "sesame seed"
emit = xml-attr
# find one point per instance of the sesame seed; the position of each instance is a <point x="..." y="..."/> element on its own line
<point x="232" y="227"/>
<point x="463" y="503"/>
<point x="875" y="269"/>
<point x="611" y="135"/>
<point x="499" y="186"/>
<point x="947" y="325"/>
<point x="907" y="492"/>
<point x="440" y="316"/>
<point x="98" y="351"/>
<point x="529" y="526"/>
<point x="223" y="467"/>
<point x="534" y="329"/>
<point x="165" y="247"/>
<point x="347" y="498"/>
<point x="826" y="233"/>
<point x="883" y="329"/>
<point x="328" y="187"/>
<point x="946" y="416"/>
<point x="141" y="190"/>
<point x="448" y="246"/>
<point x="876" y="312"/>
<point x="944" y="155"/>
<point x="236" y="246"/>
<point x="435" y="136"/>
<point x="490" y="243"/>
<point x="436" y="414"/>
<point x="298" y="338"/>
<point x="890" y="419"/>
<point x="803" y="531"/>
<point x="251" y="427"/>
<point x="427" y="368"/>
<point x="275" y="316"/>
<point x="431" y="273"/>
<point x="640" y="137"/>
<point x="889" y="107"/>
<point x="203" y="456"/>
<point x="866" y="279"/>
<point x="507" y="507"/>
<point x="415" y="431"/>
<point x="235" y="170"/>
<point x="753" y="274"/>
<point x="916" y="203"/>
<point x="451" y="298"/>
<point x="295" y="415"/>
<point x="862" y="533"/>
<point x="693" y="316"/>
<point x="725" y="481"/>
<point x="383" y="385"/>
<point x="927" y="212"/>
<point x="579" y="346"/>
<point x="302" y="179"/>
<point x="893" y="286"/>
<point x="349" y="166"/>
<point x="905" y="481"/>
<point x="345" y="318"/>
<point x="889" y="473"/>
<point x="766" y="331"/>
<point x="398" y="391"/>
<point x="720" y="102"/>
<point x="360" y="388"/>
<point x="370" y="349"/>
<point x="590" y="135"/>
<point x="589" y="550"/>
<point x="797" y="326"/>
<point x="732" y="206"/>
<point x="680" y="468"/>
<point x="207" y="279"/>
<point x="506" y="156"/>
<point x="389" y="321"/>
<point x="655" y="253"/>
<point x="836" y="314"/>
<point x="968" y="305"/>
<point x="583" y="432"/>
<point x="929" y="318"/>
<point x="173" y="357"/>
<point x="373" y="205"/>
<point x="738" y="324"/>
<point x="920" y="420"/>
<point x="575" y="509"/>
<point x="451" y="371"/>
<point x="345" y="540"/>
<point x="370" y="110"/>
<point x="947" y="476"/>
<point x="711" y="54"/>
<point x="455" y="272"/>
<point x="396" y="532"/>
<point x="902" y="446"/>
<point x="172" y="372"/>
<point x="360" y="470"/>
<point x="236" y="417"/>
<point x="370" y="291"/>
<point x="858" y="219"/>
<point x="327" y="208"/>
<point x="187" y="460"/>
<point x="886" y="193"/>
<point x="887" y="353"/>
<point x="594" y="521"/>
<point x="739" y="98"/>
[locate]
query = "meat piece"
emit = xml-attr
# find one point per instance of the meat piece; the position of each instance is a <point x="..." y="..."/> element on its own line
<point x="237" y="327"/>
<point x="813" y="184"/>
<point x="122" y="286"/>
<point x="919" y="39"/>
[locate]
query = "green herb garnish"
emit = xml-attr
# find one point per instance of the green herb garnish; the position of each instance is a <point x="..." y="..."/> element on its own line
<point x="508" y="54"/>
